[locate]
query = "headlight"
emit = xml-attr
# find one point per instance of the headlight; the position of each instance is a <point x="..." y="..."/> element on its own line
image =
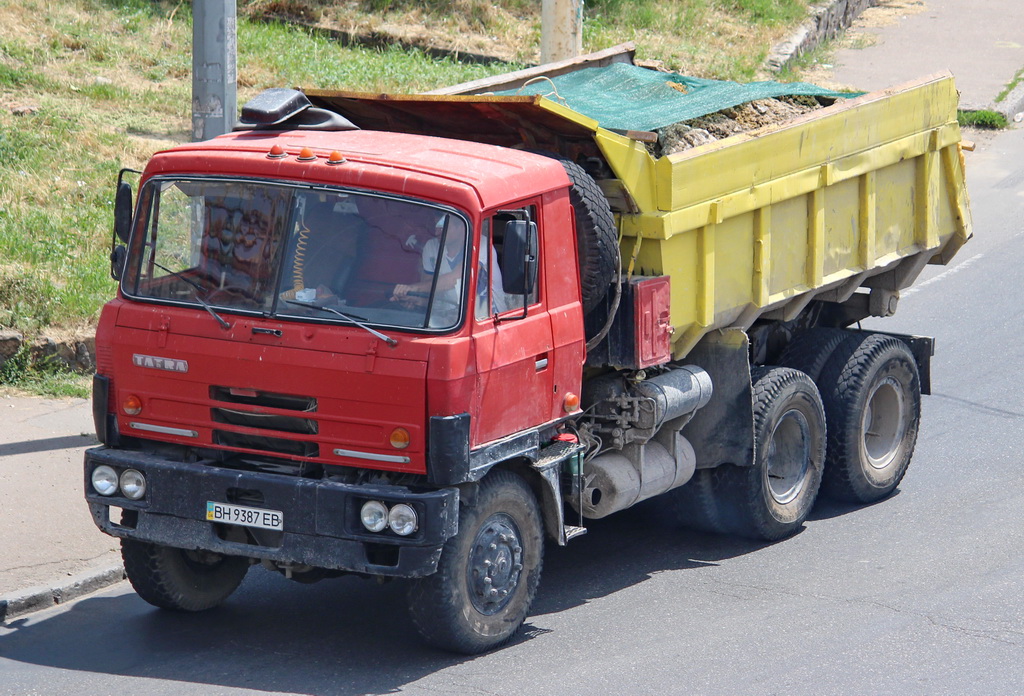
<point x="133" y="484"/>
<point x="402" y="520"/>
<point x="104" y="480"/>
<point x="374" y="515"/>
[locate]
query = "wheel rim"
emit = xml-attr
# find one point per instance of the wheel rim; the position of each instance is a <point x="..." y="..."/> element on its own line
<point x="788" y="457"/>
<point x="495" y="564"/>
<point x="885" y="425"/>
<point x="201" y="561"/>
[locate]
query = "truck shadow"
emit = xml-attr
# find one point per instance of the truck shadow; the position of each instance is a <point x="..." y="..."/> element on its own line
<point x="341" y="636"/>
<point x="47" y="444"/>
<point x="643" y="540"/>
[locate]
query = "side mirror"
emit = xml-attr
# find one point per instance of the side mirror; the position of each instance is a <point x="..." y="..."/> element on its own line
<point x="519" y="258"/>
<point x="123" y="211"/>
<point x="117" y="259"/>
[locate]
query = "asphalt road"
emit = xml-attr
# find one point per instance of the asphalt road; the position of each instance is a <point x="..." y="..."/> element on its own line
<point x="919" y="594"/>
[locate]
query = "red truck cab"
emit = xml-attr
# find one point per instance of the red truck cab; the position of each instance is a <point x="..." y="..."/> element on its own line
<point x="320" y="341"/>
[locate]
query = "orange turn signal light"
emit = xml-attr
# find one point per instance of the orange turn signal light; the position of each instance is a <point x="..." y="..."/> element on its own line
<point x="306" y="155"/>
<point x="132" y="405"/>
<point x="400" y="438"/>
<point x="571" y="402"/>
<point x="336" y="158"/>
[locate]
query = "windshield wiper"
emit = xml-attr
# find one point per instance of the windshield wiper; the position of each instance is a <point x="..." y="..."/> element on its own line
<point x="347" y="317"/>
<point x="198" y="289"/>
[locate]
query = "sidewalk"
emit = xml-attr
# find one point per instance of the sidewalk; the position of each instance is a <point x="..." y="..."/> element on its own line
<point x="50" y="550"/>
<point x="981" y="43"/>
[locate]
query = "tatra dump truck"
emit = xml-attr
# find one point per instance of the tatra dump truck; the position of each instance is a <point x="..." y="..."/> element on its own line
<point x="422" y="336"/>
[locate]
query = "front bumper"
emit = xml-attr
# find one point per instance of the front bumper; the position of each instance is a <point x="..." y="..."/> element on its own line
<point x="321" y="517"/>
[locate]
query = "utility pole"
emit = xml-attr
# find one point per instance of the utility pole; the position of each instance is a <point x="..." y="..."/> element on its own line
<point x="561" y="30"/>
<point x="214" y="72"/>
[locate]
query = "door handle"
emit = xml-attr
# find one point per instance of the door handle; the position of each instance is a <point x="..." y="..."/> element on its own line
<point x="541" y="364"/>
<point x="269" y="332"/>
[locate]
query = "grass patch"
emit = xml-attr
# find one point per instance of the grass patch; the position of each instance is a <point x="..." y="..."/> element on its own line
<point x="982" y="119"/>
<point x="48" y="379"/>
<point x="101" y="84"/>
<point x="1011" y="85"/>
<point x="725" y="39"/>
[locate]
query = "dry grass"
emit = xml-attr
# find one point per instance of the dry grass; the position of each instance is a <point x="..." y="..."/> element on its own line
<point x="708" y="38"/>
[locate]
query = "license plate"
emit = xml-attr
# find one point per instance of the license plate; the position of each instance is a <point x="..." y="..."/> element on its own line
<point x="245" y="516"/>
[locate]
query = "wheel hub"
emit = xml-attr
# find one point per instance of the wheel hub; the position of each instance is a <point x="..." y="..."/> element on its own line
<point x="495" y="564"/>
<point x="789" y="457"/>
<point x="884" y="423"/>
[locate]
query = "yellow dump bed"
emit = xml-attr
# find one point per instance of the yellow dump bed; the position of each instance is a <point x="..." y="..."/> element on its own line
<point x="862" y="193"/>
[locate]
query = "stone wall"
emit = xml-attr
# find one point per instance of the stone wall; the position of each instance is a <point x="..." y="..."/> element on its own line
<point x="74" y="351"/>
<point x="827" y="20"/>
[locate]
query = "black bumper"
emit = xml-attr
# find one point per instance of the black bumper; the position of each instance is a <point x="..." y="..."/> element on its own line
<point x="321" y="518"/>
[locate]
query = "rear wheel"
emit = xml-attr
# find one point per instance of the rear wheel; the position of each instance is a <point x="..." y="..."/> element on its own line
<point x="810" y="350"/>
<point x="771" y="499"/>
<point x="488" y="573"/>
<point x="872" y="395"/>
<point x="697" y="504"/>
<point x="181" y="580"/>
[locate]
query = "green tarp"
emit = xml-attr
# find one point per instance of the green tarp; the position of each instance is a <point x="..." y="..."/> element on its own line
<point x="628" y="97"/>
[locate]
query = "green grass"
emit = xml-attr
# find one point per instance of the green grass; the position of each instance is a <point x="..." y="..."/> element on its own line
<point x="266" y="53"/>
<point x="982" y="119"/>
<point x="1018" y="78"/>
<point x="110" y="83"/>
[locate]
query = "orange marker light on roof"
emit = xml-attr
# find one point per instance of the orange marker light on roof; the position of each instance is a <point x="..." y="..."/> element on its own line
<point x="336" y="158"/>
<point x="306" y="155"/>
<point x="276" y="152"/>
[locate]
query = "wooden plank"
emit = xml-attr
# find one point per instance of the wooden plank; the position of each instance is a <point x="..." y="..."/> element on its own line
<point x="623" y="53"/>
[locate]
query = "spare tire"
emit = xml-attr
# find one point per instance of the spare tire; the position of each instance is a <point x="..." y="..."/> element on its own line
<point x="596" y="239"/>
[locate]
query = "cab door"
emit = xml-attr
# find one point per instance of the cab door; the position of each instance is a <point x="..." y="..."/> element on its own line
<point x="515" y="361"/>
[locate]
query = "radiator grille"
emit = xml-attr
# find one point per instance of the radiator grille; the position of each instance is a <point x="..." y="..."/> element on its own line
<point x="265" y="421"/>
<point x="254" y="397"/>
<point x="276" y="445"/>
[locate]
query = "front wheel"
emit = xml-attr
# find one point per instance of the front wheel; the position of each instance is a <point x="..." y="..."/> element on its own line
<point x="181" y="580"/>
<point x="488" y="573"/>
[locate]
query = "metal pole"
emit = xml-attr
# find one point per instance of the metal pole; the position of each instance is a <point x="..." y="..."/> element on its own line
<point x="561" y="30"/>
<point x="214" y="73"/>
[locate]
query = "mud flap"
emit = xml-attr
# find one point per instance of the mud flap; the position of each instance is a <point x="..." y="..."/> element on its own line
<point x="722" y="432"/>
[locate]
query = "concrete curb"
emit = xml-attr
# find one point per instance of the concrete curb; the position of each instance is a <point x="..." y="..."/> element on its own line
<point x="1013" y="104"/>
<point x="43" y="597"/>
<point x="827" y="20"/>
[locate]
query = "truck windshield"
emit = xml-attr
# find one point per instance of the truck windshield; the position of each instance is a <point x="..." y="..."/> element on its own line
<point x="292" y="252"/>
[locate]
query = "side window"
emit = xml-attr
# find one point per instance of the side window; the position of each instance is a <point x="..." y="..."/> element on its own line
<point x="502" y="302"/>
<point x="483" y="276"/>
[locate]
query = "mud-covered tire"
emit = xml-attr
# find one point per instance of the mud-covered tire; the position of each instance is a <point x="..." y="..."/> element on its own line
<point x="810" y="350"/>
<point x="771" y="499"/>
<point x="697" y="503"/>
<point x="478" y="598"/>
<point x="180" y="580"/>
<point x="596" y="238"/>
<point x="872" y="396"/>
